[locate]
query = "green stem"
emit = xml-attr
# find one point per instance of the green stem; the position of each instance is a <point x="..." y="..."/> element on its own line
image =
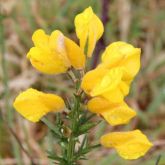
<point x="74" y="123"/>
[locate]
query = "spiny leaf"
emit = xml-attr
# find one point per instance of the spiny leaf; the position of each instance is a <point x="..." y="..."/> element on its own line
<point x="84" y="128"/>
<point x="55" y="157"/>
<point x="84" y="118"/>
<point x="158" y="160"/>
<point x="82" y="151"/>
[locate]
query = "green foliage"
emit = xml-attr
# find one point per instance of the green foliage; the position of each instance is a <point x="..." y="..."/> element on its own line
<point x="68" y="136"/>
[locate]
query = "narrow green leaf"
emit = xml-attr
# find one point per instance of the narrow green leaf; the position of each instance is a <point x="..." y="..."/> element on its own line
<point x="85" y="128"/>
<point x="158" y="160"/>
<point x="51" y="127"/>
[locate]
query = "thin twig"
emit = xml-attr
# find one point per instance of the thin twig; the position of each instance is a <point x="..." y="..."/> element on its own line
<point x="21" y="146"/>
<point x="158" y="160"/>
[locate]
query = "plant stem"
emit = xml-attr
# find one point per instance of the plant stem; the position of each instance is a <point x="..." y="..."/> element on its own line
<point x="74" y="123"/>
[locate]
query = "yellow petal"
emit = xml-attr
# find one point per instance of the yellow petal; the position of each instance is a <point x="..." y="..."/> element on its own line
<point x="114" y="114"/>
<point x="40" y="39"/>
<point x="99" y="105"/>
<point x="75" y="54"/>
<point x="57" y="46"/>
<point x="33" y="104"/>
<point x="46" y="62"/>
<point x="109" y="82"/>
<point x="92" y="78"/>
<point x="106" y="83"/>
<point x="117" y="94"/>
<point x="118" y="114"/>
<point x="129" y="145"/>
<point x="88" y="27"/>
<point x="49" y="54"/>
<point x="123" y="55"/>
<point x="54" y="54"/>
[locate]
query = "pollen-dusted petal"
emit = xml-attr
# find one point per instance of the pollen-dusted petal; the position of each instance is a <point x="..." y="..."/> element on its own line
<point x="129" y="145"/>
<point x="118" y="114"/>
<point x="123" y="55"/>
<point x="57" y="46"/>
<point x="75" y="54"/>
<point x="92" y="78"/>
<point x="88" y="28"/>
<point x="33" y="104"/>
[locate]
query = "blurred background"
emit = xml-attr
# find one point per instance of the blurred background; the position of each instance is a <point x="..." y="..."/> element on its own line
<point x="139" y="22"/>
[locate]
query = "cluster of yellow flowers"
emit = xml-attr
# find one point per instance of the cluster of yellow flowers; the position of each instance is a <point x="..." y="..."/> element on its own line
<point x="107" y="85"/>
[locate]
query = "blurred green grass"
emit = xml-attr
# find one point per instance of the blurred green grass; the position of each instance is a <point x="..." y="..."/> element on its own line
<point x="138" y="22"/>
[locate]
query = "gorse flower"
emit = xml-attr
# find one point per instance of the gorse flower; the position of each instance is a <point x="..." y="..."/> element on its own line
<point x="129" y="145"/>
<point x="89" y="29"/>
<point x="112" y="78"/>
<point x="107" y="83"/>
<point x="56" y="53"/>
<point x="113" y="113"/>
<point x="106" y="86"/>
<point x="121" y="54"/>
<point x="33" y="104"/>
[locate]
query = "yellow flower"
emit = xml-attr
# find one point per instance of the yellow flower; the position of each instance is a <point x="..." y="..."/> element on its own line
<point x="33" y="104"/>
<point x="89" y="29"/>
<point x="54" y="54"/>
<point x="107" y="83"/>
<point x="114" y="114"/>
<point x="121" y="54"/>
<point x="129" y="145"/>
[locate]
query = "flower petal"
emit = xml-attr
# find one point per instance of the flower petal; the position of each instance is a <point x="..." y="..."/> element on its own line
<point x="56" y="53"/>
<point x="46" y="62"/>
<point x="92" y="78"/>
<point x="88" y="28"/>
<point x="109" y="82"/>
<point x="106" y="82"/>
<point x="114" y="114"/>
<point x="123" y="55"/>
<point x="117" y="94"/>
<point x="119" y="114"/>
<point x="129" y="145"/>
<point x="40" y="39"/>
<point x="49" y="54"/>
<point x="99" y="105"/>
<point x="33" y="104"/>
<point x="75" y="54"/>
<point x="57" y="46"/>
